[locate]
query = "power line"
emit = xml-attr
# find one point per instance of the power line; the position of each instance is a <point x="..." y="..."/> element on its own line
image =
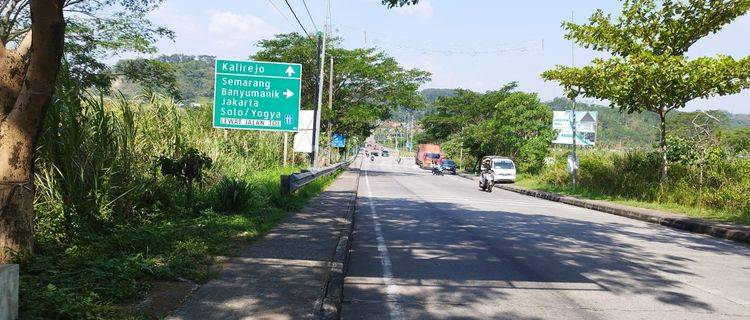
<point x="310" y="16"/>
<point x="453" y="49"/>
<point x="282" y="14"/>
<point x="295" y="17"/>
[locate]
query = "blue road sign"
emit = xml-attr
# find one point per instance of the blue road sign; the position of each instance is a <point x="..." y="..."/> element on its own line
<point x="338" y="141"/>
<point x="409" y="146"/>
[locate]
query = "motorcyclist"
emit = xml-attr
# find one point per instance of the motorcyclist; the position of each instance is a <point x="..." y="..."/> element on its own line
<point x="372" y="158"/>
<point x="437" y="169"/>
<point x="486" y="176"/>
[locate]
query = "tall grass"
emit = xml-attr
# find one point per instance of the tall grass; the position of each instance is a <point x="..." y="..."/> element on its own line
<point x="635" y="176"/>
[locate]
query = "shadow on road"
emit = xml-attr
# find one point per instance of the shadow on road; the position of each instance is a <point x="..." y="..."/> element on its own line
<point x="444" y="253"/>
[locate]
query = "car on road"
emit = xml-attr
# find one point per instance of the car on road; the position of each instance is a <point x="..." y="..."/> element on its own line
<point x="385" y="154"/>
<point x="449" y="166"/>
<point x="503" y="168"/>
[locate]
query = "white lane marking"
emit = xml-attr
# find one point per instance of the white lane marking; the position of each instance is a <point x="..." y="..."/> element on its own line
<point x="385" y="260"/>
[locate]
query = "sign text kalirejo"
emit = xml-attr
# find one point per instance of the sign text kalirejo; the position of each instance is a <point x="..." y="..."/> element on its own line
<point x="257" y="95"/>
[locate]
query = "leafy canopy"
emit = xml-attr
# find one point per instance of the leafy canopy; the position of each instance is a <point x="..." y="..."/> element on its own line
<point x="95" y="30"/>
<point x="648" y="69"/>
<point x="367" y="84"/>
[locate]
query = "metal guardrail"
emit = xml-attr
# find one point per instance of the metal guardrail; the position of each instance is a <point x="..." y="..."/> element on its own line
<point x="294" y="181"/>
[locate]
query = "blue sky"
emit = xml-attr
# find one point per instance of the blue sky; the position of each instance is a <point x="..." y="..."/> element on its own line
<point x="472" y="44"/>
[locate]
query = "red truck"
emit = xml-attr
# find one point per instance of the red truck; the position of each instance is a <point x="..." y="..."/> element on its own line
<point x="427" y="154"/>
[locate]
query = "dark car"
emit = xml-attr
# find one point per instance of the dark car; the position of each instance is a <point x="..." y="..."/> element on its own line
<point x="449" y="165"/>
<point x="385" y="153"/>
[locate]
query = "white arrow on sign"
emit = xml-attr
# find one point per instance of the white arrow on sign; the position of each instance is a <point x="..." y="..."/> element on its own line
<point x="288" y="93"/>
<point x="289" y="71"/>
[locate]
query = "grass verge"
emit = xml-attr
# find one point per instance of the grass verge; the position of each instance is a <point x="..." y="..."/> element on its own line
<point x="535" y="183"/>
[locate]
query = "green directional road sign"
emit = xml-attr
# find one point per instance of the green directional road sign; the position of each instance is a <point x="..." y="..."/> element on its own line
<point x="257" y="95"/>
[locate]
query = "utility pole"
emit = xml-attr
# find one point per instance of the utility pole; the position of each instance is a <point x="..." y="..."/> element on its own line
<point x="575" y="157"/>
<point x="330" y="109"/>
<point x="317" y="113"/>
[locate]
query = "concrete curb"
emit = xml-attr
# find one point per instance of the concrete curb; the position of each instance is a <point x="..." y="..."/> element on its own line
<point x="732" y="232"/>
<point x="328" y="306"/>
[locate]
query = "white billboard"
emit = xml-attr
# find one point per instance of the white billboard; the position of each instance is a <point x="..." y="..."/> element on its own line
<point x="586" y="122"/>
<point x="303" y="138"/>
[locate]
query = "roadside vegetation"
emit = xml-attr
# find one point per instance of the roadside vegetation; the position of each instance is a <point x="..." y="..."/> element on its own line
<point x="134" y="191"/>
<point x="716" y="190"/>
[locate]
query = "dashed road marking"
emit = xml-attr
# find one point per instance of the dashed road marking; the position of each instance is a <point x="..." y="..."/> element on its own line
<point x="396" y="313"/>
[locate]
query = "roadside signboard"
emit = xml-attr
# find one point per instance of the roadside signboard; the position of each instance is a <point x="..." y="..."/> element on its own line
<point x="338" y="141"/>
<point x="257" y="95"/>
<point x="303" y="138"/>
<point x="409" y="146"/>
<point x="586" y="122"/>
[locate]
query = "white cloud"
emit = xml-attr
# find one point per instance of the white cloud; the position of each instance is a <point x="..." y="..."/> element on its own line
<point x="234" y="30"/>
<point x="422" y="10"/>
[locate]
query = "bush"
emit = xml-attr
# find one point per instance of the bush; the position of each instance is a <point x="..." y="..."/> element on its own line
<point x="233" y="195"/>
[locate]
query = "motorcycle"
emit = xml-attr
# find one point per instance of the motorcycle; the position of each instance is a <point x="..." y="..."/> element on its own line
<point x="372" y="158"/>
<point x="486" y="177"/>
<point x="437" y="171"/>
<point x="486" y="182"/>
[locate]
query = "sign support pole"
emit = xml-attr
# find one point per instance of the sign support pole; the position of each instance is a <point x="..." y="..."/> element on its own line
<point x="286" y="146"/>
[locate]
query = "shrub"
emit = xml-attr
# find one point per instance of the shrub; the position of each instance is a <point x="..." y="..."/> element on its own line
<point x="233" y="195"/>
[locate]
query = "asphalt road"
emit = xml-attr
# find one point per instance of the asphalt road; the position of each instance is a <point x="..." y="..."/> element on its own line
<point x="434" y="247"/>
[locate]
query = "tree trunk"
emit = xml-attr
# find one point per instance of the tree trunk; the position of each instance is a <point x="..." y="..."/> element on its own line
<point x="27" y="78"/>
<point x="663" y="144"/>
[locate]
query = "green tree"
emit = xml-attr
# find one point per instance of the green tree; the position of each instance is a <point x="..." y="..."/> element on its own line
<point x="503" y="122"/>
<point x="648" y="69"/>
<point x="27" y="79"/>
<point x="367" y="84"/>
<point x="151" y="75"/>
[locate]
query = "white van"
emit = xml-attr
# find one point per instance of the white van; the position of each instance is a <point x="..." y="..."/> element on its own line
<point x="503" y="169"/>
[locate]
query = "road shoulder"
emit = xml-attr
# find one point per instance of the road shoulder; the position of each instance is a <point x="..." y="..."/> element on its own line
<point x="287" y="272"/>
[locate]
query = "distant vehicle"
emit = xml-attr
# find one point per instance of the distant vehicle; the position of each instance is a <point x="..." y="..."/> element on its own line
<point x="503" y="168"/>
<point x="385" y="154"/>
<point x="427" y="154"/>
<point x="449" y="166"/>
